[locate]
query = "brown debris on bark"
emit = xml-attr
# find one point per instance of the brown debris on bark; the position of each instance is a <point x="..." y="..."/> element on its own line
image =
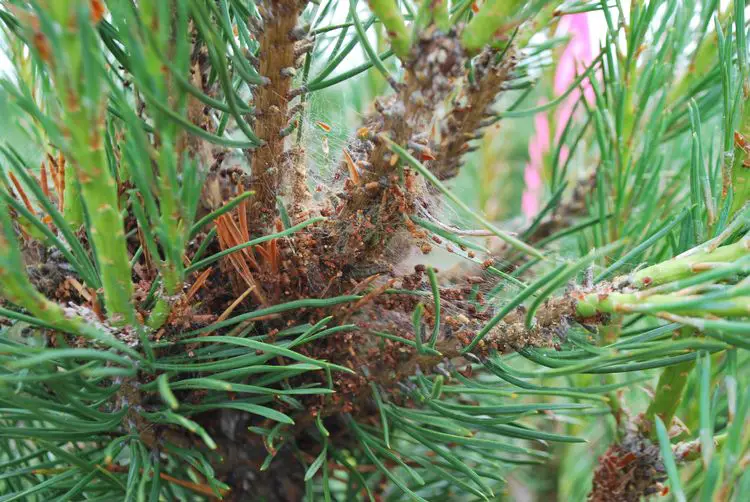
<point x="472" y="110"/>
<point x="629" y="471"/>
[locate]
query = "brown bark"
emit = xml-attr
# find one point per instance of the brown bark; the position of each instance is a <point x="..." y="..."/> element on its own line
<point x="277" y="64"/>
<point x="465" y="120"/>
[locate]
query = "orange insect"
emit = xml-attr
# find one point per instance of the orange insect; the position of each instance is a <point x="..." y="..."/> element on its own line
<point x="97" y="10"/>
<point x="627" y="459"/>
<point x="426" y="154"/>
<point x="42" y="46"/>
<point x="353" y="172"/>
<point x="741" y="142"/>
<point x="325" y="127"/>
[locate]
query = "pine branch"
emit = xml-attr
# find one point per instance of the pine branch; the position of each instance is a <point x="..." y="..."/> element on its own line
<point x="277" y="42"/>
<point x="279" y="344"/>
<point x="491" y="70"/>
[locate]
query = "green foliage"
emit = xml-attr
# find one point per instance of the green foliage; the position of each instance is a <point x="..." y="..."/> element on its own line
<point x="144" y="309"/>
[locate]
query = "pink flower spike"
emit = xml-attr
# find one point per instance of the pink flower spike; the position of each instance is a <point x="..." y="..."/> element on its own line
<point x="573" y="61"/>
<point x="538" y="146"/>
<point x="529" y="204"/>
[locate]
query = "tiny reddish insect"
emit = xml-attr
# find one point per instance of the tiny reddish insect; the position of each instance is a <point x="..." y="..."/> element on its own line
<point x="427" y="155"/>
<point x="97" y="10"/>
